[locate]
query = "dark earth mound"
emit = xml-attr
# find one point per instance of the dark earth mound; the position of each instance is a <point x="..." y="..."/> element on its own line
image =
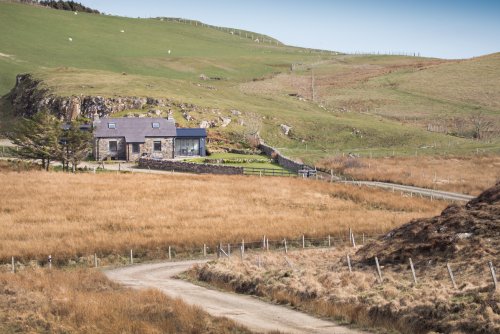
<point x="459" y="233"/>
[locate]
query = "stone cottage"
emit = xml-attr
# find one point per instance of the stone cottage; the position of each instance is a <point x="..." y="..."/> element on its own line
<point x="131" y="138"/>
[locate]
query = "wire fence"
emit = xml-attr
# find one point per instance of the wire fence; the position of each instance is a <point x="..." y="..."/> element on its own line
<point x="173" y="252"/>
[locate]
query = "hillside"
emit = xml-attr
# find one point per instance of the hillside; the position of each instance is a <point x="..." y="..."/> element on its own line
<point x="467" y="233"/>
<point x="377" y="104"/>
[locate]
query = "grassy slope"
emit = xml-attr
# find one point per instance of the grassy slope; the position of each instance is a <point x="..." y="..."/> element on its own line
<point x="94" y="63"/>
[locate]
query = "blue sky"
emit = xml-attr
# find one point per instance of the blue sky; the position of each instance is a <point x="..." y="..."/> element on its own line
<point x="445" y="29"/>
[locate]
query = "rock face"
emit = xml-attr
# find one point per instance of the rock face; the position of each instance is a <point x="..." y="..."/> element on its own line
<point x="28" y="97"/>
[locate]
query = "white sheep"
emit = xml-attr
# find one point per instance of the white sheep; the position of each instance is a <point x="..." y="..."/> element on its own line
<point x="122" y="30"/>
<point x="169" y="51"/>
<point x="70" y="39"/>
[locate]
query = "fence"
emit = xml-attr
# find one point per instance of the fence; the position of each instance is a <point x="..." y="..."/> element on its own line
<point x="226" y="250"/>
<point x="171" y="252"/>
<point x="267" y="172"/>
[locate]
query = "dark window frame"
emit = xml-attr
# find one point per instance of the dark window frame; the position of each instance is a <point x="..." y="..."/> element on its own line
<point x="136" y="148"/>
<point x="113" y="146"/>
<point x="155" y="147"/>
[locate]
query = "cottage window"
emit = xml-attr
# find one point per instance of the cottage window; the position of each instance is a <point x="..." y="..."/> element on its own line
<point x="156" y="125"/>
<point x="187" y="147"/>
<point x="113" y="146"/>
<point x="135" y="148"/>
<point x="111" y="125"/>
<point x="157" y="146"/>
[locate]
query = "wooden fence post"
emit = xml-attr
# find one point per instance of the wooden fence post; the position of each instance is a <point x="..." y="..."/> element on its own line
<point x="264" y="243"/>
<point x="228" y="250"/>
<point x="169" y="253"/>
<point x="95" y="260"/>
<point x="303" y="241"/>
<point x="363" y="238"/>
<point x="329" y="241"/>
<point x="286" y="249"/>
<point x="413" y="271"/>
<point x="205" y="250"/>
<point x="451" y="275"/>
<point x="242" y="251"/>
<point x="14" y="265"/>
<point x="353" y="241"/>
<point x="218" y="251"/>
<point x="349" y="263"/>
<point x="267" y="243"/>
<point x="350" y="235"/>
<point x="131" y="257"/>
<point x="493" y="275"/>
<point x="242" y="247"/>
<point x="50" y="261"/>
<point x="379" y="271"/>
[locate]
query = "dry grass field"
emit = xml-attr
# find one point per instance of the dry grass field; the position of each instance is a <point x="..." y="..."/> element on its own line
<point x="464" y="239"/>
<point x="467" y="175"/>
<point x="72" y="216"/>
<point x="319" y="282"/>
<point x="85" y="301"/>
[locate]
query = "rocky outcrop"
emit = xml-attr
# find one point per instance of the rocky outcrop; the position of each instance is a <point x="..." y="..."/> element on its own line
<point x="29" y="96"/>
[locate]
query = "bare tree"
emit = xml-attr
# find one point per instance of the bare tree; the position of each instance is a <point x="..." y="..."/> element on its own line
<point x="481" y="124"/>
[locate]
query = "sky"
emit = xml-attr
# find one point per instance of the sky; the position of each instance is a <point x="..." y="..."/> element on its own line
<point x="432" y="28"/>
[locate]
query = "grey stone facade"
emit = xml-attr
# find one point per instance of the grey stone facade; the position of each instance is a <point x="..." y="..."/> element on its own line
<point x="102" y="149"/>
<point x="125" y="150"/>
<point x="167" y="148"/>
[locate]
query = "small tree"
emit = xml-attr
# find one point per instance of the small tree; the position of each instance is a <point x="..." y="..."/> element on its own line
<point x="38" y="137"/>
<point x="75" y="144"/>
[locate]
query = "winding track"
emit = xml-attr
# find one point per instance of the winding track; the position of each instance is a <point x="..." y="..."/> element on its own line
<point x="437" y="194"/>
<point x="248" y="311"/>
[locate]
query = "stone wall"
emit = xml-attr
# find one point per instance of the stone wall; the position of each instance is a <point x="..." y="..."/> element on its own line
<point x="283" y="161"/>
<point x="189" y="167"/>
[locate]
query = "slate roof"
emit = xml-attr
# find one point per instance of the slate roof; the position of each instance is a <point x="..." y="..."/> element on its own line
<point x="134" y="129"/>
<point x="185" y="132"/>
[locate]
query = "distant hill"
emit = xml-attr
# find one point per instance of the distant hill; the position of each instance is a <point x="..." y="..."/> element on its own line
<point x="333" y="103"/>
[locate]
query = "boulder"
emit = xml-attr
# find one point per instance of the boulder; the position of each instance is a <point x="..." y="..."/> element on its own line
<point x="286" y="129"/>
<point x="204" y="124"/>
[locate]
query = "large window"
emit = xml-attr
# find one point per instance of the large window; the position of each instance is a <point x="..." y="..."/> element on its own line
<point x="136" y="148"/>
<point x="187" y="147"/>
<point x="157" y="146"/>
<point x="113" y="146"/>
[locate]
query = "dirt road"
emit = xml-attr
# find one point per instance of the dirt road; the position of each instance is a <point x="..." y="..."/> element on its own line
<point x="251" y="312"/>
<point x="437" y="194"/>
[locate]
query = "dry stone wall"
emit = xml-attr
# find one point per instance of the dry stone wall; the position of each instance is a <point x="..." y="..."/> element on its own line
<point x="189" y="167"/>
<point x="283" y="161"/>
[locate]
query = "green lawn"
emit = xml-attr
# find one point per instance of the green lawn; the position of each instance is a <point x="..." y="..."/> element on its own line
<point x="233" y="157"/>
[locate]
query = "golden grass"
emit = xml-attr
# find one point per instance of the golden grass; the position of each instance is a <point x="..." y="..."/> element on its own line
<point x="319" y="283"/>
<point x="85" y="301"/>
<point x="71" y="216"/>
<point x="467" y="175"/>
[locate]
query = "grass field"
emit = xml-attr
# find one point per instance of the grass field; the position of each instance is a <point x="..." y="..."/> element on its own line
<point x="467" y="174"/>
<point x="85" y="301"/>
<point x="73" y="216"/>
<point x="377" y="103"/>
<point x="319" y="282"/>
